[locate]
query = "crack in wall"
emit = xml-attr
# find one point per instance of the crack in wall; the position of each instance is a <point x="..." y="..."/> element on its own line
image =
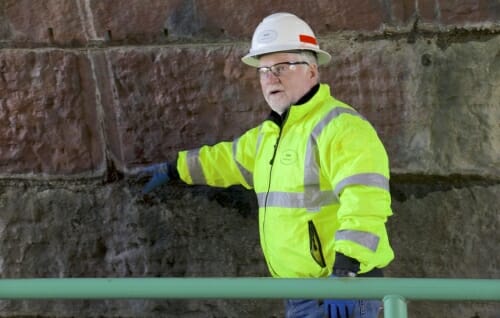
<point x="404" y="186"/>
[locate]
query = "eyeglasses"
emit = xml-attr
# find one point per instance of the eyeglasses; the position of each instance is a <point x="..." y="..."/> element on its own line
<point x="279" y="69"/>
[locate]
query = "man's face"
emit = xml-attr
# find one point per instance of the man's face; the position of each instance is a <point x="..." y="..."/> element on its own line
<point x="294" y="81"/>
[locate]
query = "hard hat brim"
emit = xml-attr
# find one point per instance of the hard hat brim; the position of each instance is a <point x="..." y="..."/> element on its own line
<point x="252" y="58"/>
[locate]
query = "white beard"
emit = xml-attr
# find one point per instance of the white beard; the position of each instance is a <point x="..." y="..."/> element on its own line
<point x="279" y="109"/>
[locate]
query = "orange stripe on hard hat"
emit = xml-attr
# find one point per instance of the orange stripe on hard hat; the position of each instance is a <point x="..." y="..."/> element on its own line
<point x="307" y="39"/>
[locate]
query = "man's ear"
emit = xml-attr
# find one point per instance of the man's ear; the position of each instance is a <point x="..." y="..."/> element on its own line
<point x="313" y="71"/>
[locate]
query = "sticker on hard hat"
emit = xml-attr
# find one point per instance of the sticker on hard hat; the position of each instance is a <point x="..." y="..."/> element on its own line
<point x="307" y="39"/>
<point x="267" y="36"/>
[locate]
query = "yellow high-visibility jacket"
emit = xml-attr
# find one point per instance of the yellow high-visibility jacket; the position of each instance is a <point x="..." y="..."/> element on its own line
<point x="322" y="182"/>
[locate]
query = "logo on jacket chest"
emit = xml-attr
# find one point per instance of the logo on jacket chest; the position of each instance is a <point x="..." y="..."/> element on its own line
<point x="288" y="157"/>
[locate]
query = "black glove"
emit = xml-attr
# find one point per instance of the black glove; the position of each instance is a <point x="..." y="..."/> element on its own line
<point x="345" y="266"/>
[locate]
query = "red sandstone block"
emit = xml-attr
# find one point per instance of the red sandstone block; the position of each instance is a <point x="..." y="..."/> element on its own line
<point x="170" y="99"/>
<point x="239" y="19"/>
<point x="374" y="83"/>
<point x="135" y="21"/>
<point x="469" y="11"/>
<point x="77" y="23"/>
<point x="159" y="21"/>
<point x="48" y="120"/>
<point x="159" y="100"/>
<point x="445" y="13"/>
<point x="30" y="23"/>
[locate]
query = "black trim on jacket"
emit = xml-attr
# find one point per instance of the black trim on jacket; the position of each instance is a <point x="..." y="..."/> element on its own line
<point x="279" y="119"/>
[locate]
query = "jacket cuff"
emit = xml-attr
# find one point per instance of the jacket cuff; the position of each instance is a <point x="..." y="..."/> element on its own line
<point x="173" y="174"/>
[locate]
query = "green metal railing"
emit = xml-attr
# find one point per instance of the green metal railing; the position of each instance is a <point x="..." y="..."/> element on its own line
<point x="393" y="291"/>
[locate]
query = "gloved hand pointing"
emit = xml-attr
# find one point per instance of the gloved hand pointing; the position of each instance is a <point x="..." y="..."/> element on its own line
<point x="159" y="173"/>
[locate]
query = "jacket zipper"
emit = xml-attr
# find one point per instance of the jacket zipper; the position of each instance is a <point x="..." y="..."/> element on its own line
<point x="271" y="162"/>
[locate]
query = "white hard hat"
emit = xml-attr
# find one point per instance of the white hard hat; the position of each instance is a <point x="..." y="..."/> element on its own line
<point x="283" y="32"/>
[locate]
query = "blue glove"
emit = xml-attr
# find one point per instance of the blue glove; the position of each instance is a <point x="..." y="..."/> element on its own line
<point x="339" y="308"/>
<point x="159" y="175"/>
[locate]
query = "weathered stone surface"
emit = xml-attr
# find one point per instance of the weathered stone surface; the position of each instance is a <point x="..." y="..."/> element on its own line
<point x="425" y="73"/>
<point x="48" y="118"/>
<point x="444" y="13"/>
<point x="130" y="22"/>
<point x="469" y="11"/>
<point x="159" y="100"/>
<point x="447" y="234"/>
<point x="418" y="96"/>
<point x="80" y="22"/>
<point x="436" y="108"/>
<point x="66" y="230"/>
<point x="170" y="99"/>
<point x="239" y="19"/>
<point x="93" y="230"/>
<point x="29" y="23"/>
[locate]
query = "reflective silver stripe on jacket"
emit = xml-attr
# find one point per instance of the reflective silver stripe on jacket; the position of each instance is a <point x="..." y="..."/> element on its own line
<point x="369" y="179"/>
<point x="259" y="139"/>
<point x="311" y="167"/>
<point x="194" y="165"/>
<point x="365" y="239"/>
<point x="295" y="200"/>
<point x="247" y="175"/>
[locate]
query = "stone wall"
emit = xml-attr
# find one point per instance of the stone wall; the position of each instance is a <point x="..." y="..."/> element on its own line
<point x="89" y="90"/>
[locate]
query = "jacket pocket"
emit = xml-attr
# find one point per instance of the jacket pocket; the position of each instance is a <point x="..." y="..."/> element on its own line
<point x="315" y="245"/>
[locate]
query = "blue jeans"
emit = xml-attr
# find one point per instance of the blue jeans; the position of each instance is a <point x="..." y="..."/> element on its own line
<point x="306" y="308"/>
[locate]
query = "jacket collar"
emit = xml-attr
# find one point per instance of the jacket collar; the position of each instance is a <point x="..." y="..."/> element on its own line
<point x="308" y="95"/>
<point x="303" y="105"/>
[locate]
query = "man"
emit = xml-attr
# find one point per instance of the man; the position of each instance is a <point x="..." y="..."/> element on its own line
<point x="318" y="168"/>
